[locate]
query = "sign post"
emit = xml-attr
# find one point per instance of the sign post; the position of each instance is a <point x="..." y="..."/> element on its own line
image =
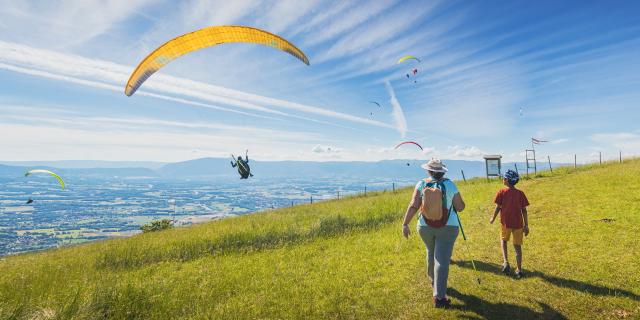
<point x="493" y="165"/>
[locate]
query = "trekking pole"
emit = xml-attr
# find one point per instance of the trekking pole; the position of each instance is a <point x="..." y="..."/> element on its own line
<point x="465" y="239"/>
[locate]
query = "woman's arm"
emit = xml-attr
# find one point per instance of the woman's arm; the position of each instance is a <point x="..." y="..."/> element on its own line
<point x="458" y="203"/>
<point x="411" y="211"/>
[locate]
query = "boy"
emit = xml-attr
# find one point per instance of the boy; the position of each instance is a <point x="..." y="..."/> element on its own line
<point x="512" y="204"/>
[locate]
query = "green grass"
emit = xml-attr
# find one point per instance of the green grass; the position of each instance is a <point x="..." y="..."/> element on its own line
<point x="346" y="259"/>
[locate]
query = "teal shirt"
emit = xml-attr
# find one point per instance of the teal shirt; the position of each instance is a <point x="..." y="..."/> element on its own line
<point x="451" y="191"/>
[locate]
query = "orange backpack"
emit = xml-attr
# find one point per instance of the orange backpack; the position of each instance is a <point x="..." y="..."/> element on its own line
<point x="434" y="203"/>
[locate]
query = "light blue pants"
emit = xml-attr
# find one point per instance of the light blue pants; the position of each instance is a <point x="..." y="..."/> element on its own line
<point x="439" y="242"/>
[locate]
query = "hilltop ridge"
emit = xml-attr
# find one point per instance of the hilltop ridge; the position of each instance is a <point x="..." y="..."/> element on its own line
<point x="346" y="259"/>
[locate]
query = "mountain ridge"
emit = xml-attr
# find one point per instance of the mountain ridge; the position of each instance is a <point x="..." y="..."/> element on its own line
<point x="208" y="168"/>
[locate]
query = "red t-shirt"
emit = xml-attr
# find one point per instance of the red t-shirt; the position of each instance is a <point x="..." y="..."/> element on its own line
<point x="512" y="201"/>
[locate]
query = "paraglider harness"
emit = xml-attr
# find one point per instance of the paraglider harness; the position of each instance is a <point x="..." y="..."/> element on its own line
<point x="434" y="203"/>
<point x="243" y="166"/>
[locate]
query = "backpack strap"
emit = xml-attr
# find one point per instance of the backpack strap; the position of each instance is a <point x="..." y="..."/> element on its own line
<point x="443" y="188"/>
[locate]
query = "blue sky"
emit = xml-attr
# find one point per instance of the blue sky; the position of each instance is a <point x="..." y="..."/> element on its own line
<point x="492" y="75"/>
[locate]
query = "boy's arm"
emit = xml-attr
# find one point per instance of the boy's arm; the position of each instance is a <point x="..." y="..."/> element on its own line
<point x="495" y="213"/>
<point x="498" y="201"/>
<point x="526" y="221"/>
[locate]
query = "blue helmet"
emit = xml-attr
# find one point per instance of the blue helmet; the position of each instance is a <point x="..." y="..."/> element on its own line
<point x="512" y="177"/>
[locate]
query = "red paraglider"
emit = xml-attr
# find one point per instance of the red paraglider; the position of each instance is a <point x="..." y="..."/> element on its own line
<point x="409" y="142"/>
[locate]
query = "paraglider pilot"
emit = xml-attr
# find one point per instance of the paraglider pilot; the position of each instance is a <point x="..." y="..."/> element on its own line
<point x="243" y="166"/>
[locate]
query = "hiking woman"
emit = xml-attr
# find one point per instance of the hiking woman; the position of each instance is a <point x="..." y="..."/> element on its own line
<point x="437" y="224"/>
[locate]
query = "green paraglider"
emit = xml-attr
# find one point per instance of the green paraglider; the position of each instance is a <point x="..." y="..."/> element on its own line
<point x="405" y="58"/>
<point x="60" y="181"/>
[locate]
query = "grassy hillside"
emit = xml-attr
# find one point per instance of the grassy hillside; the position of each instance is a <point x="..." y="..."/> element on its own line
<point x="347" y="259"/>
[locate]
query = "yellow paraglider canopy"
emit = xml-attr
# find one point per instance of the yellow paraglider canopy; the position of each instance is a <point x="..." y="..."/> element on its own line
<point x="405" y="58"/>
<point x="203" y="38"/>
<point x="60" y="181"/>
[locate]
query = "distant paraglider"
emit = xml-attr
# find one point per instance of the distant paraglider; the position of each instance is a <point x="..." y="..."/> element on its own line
<point x="204" y="38"/>
<point x="414" y="71"/>
<point x="377" y="104"/>
<point x="60" y="181"/>
<point x="243" y="165"/>
<point x="409" y="142"/>
<point x="405" y="58"/>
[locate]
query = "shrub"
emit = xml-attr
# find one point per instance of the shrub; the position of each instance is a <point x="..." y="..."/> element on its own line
<point x="158" y="225"/>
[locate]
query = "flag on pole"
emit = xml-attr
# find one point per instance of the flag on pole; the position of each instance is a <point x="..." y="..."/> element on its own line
<point x="537" y="141"/>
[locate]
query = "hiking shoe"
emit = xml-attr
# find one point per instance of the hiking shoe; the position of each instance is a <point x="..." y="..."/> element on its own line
<point x="519" y="274"/>
<point x="442" y="303"/>
<point x="506" y="268"/>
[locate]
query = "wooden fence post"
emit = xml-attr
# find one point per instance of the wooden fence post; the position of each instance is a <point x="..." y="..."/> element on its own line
<point x="600" y="157"/>
<point x="620" y="156"/>
<point x="365" y="191"/>
<point x="575" y="161"/>
<point x="311" y="199"/>
<point x="550" y="168"/>
<point x="394" y="187"/>
<point x="463" y="177"/>
<point x="338" y="194"/>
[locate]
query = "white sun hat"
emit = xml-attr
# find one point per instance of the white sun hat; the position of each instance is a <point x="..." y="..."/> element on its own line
<point x="434" y="165"/>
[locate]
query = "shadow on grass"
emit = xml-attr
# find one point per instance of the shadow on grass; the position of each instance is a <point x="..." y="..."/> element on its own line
<point x="191" y="249"/>
<point x="557" y="281"/>
<point x="488" y="310"/>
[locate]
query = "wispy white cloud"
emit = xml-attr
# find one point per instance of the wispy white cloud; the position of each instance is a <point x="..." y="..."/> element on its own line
<point x="100" y="85"/>
<point x="52" y="117"/>
<point x="159" y="145"/>
<point x="64" y="136"/>
<point x="626" y="141"/>
<point x="428" y="151"/>
<point x="383" y="29"/>
<point x="347" y="21"/>
<point x="560" y="141"/>
<point x="397" y="113"/>
<point x="65" y="23"/>
<point x="284" y="13"/>
<point x="325" y="149"/>
<point x="472" y="152"/>
<point x="107" y="75"/>
<point x="321" y="18"/>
